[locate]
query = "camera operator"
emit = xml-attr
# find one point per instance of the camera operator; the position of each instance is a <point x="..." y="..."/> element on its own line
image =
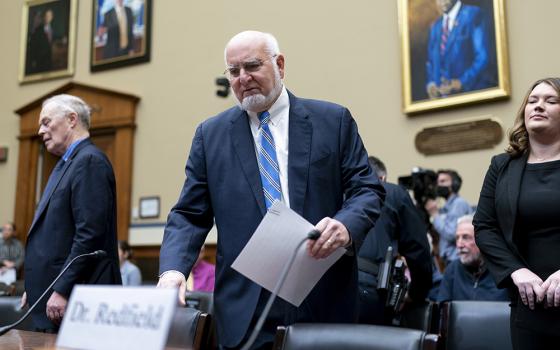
<point x="401" y="227"/>
<point x="444" y="220"/>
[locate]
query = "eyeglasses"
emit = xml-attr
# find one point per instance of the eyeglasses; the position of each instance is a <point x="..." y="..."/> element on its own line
<point x="249" y="67"/>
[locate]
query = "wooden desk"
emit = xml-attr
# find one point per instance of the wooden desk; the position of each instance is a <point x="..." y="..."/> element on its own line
<point x="24" y="340"/>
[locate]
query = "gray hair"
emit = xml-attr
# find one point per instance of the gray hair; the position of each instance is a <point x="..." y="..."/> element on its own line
<point x="271" y="44"/>
<point x="465" y="219"/>
<point x="71" y="104"/>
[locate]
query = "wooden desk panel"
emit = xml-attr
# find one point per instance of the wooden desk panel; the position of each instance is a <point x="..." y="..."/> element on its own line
<point x="24" y="340"/>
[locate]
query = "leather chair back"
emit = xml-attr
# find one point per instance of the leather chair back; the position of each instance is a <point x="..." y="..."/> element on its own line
<point x="189" y="329"/>
<point x="312" y="336"/>
<point x="476" y="325"/>
<point x="203" y="301"/>
<point x="424" y="317"/>
<point x="10" y="313"/>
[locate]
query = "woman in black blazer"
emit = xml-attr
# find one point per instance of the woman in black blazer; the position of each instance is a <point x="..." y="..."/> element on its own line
<point x="517" y="222"/>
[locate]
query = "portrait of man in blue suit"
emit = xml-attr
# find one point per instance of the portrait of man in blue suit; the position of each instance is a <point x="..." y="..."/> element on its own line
<point x="272" y="146"/>
<point x="461" y="55"/>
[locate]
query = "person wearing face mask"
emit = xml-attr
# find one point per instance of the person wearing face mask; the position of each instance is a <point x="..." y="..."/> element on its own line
<point x="444" y="220"/>
<point x="467" y="278"/>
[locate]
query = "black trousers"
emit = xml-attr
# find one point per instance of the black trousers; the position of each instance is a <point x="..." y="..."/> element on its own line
<point x="529" y="339"/>
<point x="372" y="303"/>
<point x="282" y="313"/>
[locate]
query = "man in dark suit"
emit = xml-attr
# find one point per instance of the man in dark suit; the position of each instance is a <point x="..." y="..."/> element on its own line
<point x="273" y="146"/>
<point x="118" y="23"/>
<point x="461" y="56"/>
<point x="76" y="213"/>
<point x="39" y="59"/>
<point x="401" y="227"/>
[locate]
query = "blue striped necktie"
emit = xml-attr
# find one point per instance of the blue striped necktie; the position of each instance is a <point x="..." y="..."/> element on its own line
<point x="268" y="163"/>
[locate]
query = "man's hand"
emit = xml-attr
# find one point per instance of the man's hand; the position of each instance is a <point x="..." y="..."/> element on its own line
<point x="172" y="279"/>
<point x="9" y="264"/>
<point x="529" y="286"/>
<point x="56" y="306"/>
<point x="333" y="235"/>
<point x="450" y="86"/>
<point x="23" y="302"/>
<point x="551" y="289"/>
<point x="432" y="90"/>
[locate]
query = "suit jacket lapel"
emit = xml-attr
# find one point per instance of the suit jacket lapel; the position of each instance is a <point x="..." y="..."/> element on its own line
<point x="513" y="185"/>
<point x="47" y="196"/>
<point x="299" y="153"/>
<point x="459" y="19"/>
<point x="244" y="147"/>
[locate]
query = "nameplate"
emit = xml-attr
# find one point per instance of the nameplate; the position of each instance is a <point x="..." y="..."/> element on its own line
<point x="458" y="137"/>
<point x="114" y="317"/>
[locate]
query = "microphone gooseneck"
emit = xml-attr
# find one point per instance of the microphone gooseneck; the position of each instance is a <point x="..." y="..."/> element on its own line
<point x="97" y="254"/>
<point x="312" y="235"/>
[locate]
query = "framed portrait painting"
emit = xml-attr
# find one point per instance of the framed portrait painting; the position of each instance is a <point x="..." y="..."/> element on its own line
<point x="453" y="52"/>
<point x="48" y="33"/>
<point x="120" y="33"/>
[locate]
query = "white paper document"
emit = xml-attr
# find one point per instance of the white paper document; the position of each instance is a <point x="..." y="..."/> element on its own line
<point x="271" y="246"/>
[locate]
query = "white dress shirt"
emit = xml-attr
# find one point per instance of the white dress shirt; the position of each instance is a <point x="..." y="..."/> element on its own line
<point x="451" y="16"/>
<point x="278" y="125"/>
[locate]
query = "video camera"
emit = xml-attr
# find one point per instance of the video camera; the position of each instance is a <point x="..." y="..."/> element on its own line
<point x="423" y="184"/>
<point x="392" y="281"/>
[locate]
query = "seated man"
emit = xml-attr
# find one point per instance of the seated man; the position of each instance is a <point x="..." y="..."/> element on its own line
<point x="468" y="278"/>
<point x="11" y="254"/>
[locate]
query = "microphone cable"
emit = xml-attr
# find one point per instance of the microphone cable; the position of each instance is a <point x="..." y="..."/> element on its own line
<point x="97" y="254"/>
<point x="313" y="235"/>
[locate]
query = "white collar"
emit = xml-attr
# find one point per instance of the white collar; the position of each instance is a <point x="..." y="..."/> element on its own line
<point x="281" y="103"/>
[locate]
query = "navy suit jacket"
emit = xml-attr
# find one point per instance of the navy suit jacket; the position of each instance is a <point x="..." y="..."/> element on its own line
<point x="78" y="216"/>
<point x="468" y="56"/>
<point x="328" y="175"/>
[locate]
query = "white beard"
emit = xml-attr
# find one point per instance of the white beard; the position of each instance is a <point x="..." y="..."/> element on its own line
<point x="256" y="102"/>
<point x="259" y="102"/>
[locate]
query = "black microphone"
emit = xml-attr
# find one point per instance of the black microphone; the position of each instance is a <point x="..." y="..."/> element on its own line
<point x="95" y="254"/>
<point x="312" y="235"/>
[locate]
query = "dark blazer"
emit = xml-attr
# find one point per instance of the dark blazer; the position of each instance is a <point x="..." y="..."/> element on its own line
<point x="401" y="226"/>
<point x="39" y="59"/>
<point x="495" y="236"/>
<point x="328" y="175"/>
<point x="78" y="216"/>
<point x="469" y="54"/>
<point x="112" y="47"/>
<point x="495" y="218"/>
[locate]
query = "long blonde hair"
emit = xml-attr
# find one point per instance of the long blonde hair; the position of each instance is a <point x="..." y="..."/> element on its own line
<point x="518" y="135"/>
